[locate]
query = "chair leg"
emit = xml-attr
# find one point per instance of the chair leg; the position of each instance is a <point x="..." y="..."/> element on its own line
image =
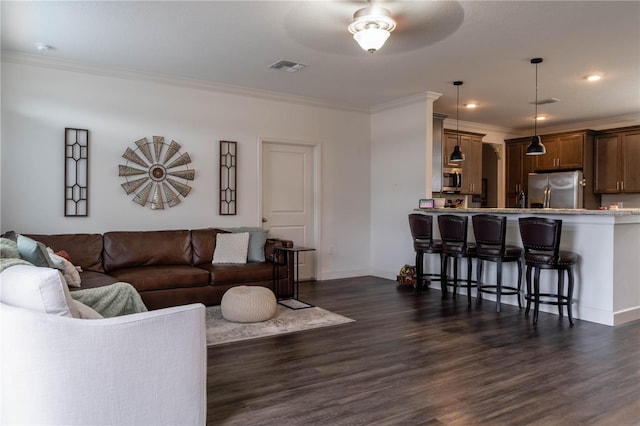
<point x="419" y="271"/>
<point x="498" y="284"/>
<point x="570" y="295"/>
<point x="529" y="294"/>
<point x="479" y="264"/>
<point x="455" y="277"/>
<point x="519" y="295"/>
<point x="536" y="290"/>
<point x="443" y="274"/>
<point x="469" y="265"/>
<point x="560" y="290"/>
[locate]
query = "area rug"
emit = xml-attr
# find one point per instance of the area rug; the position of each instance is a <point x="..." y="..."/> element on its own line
<point x="285" y="320"/>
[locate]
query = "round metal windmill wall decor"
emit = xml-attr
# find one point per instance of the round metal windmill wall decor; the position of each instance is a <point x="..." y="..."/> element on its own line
<point x="155" y="175"/>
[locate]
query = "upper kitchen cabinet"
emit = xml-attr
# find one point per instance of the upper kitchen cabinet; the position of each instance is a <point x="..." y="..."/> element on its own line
<point x="564" y="152"/>
<point x="471" y="147"/>
<point x="617" y="162"/>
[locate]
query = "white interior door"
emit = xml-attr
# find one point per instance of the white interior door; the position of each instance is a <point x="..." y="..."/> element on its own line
<point x="287" y="197"/>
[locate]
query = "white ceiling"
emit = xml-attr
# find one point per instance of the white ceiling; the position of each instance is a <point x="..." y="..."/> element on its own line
<point x="486" y="44"/>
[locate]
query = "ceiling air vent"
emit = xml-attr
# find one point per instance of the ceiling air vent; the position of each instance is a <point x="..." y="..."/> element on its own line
<point x="546" y="101"/>
<point x="287" y="66"/>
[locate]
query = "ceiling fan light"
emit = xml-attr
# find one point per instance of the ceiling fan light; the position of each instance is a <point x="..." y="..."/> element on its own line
<point x="536" y="147"/>
<point x="371" y="27"/>
<point x="371" y="39"/>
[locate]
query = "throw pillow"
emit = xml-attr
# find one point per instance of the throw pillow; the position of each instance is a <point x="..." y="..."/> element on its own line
<point x="34" y="252"/>
<point x="63" y="253"/>
<point x="231" y="248"/>
<point x="38" y="289"/>
<point x="71" y="274"/>
<point x="257" y="240"/>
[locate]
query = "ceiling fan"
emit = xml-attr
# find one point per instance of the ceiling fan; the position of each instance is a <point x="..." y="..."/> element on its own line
<point x="415" y="24"/>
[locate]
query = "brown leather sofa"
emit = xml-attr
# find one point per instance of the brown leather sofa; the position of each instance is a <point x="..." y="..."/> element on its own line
<point x="169" y="268"/>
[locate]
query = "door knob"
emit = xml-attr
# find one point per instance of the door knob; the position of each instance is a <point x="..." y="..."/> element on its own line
<point x="264" y="219"/>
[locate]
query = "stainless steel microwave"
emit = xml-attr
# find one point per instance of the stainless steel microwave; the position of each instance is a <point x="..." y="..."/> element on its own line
<point x="451" y="180"/>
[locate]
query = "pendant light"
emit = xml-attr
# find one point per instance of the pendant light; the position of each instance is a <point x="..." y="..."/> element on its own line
<point x="536" y="147"/>
<point x="457" y="155"/>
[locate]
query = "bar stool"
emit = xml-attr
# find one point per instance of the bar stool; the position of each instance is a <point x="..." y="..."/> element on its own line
<point x="453" y="231"/>
<point x="423" y="243"/>
<point x="541" y="241"/>
<point x="490" y="234"/>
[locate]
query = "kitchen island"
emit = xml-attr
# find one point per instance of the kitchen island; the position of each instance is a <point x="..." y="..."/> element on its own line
<point x="607" y="275"/>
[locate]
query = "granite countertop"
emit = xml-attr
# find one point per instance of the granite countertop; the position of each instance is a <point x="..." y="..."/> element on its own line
<point x="619" y="212"/>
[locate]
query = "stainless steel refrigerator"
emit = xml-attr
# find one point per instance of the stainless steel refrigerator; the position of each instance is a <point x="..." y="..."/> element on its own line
<point x="557" y="190"/>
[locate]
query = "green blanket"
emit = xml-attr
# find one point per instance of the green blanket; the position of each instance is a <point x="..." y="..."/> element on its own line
<point x="9" y="255"/>
<point x="111" y="300"/>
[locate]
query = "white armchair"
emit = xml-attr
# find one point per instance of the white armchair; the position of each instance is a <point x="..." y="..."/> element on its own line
<point x="142" y="369"/>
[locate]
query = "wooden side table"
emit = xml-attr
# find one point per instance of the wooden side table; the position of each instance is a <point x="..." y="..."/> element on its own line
<point x="293" y="302"/>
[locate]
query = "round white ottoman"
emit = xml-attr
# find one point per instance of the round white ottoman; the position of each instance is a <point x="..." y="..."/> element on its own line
<point x="248" y="304"/>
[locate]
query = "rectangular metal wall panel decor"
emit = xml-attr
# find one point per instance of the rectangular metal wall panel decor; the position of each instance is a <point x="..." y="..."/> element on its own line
<point x="76" y="172"/>
<point x="228" y="175"/>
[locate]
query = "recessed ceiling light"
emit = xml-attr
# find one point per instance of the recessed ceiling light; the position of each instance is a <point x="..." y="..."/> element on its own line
<point x="43" y="47"/>
<point x="471" y="105"/>
<point x="594" y="77"/>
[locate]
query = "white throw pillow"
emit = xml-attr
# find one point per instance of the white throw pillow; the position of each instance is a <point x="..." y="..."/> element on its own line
<point x="38" y="289"/>
<point x="231" y="248"/>
<point x="71" y="274"/>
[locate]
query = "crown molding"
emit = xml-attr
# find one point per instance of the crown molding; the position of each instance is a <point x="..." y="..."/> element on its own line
<point x="406" y="101"/>
<point x="471" y="126"/>
<point x="600" y="124"/>
<point x="64" y="65"/>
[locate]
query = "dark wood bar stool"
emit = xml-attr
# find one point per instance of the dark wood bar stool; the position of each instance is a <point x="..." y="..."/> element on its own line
<point x="421" y="226"/>
<point x="541" y="241"/>
<point x="453" y="231"/>
<point x="490" y="233"/>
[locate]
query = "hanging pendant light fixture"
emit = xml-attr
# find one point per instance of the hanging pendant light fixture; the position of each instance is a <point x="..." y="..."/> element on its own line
<point x="536" y="147"/>
<point x="457" y="155"/>
<point x="371" y="27"/>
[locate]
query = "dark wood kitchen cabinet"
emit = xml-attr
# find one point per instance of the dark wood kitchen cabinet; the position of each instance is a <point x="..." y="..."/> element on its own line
<point x="565" y="151"/>
<point x="519" y="165"/>
<point x="471" y="147"/>
<point x="617" y="161"/>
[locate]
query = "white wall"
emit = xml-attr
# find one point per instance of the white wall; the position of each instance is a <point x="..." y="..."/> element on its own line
<point x="39" y="102"/>
<point x="398" y="152"/>
<point x="398" y="171"/>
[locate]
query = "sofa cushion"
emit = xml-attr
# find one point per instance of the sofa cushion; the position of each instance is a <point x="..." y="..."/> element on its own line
<point x="70" y="273"/>
<point x="85" y="250"/>
<point x="37" y="289"/>
<point x="34" y="252"/>
<point x="257" y="239"/>
<point x="231" y="248"/>
<point x="203" y="244"/>
<point x="224" y="274"/>
<point x="148" y="278"/>
<point x="147" y="248"/>
<point x="92" y="279"/>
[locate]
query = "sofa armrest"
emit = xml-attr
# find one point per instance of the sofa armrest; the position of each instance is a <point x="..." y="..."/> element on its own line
<point x="274" y="242"/>
<point x="145" y="368"/>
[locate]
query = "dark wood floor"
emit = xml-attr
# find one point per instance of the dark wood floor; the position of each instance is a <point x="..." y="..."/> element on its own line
<point x="410" y="360"/>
